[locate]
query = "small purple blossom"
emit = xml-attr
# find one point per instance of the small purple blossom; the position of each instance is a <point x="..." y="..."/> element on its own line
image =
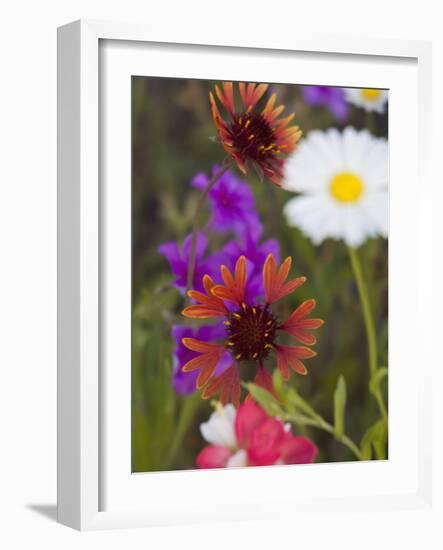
<point x="178" y="258"/>
<point x="331" y="97"/>
<point x="185" y="382"/>
<point x="232" y="203"/>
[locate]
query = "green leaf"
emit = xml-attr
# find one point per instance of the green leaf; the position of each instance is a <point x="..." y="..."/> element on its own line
<point x="377" y="378"/>
<point x="375" y="440"/>
<point x="339" y="408"/>
<point x="293" y="399"/>
<point x="265" y="399"/>
<point x="277" y="382"/>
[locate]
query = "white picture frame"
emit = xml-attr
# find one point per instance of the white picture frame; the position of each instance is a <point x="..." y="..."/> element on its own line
<point x="83" y="444"/>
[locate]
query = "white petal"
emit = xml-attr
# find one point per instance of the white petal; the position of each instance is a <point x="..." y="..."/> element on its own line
<point x="315" y="211"/>
<point x="237" y="460"/>
<point x="219" y="429"/>
<point x="355" y="96"/>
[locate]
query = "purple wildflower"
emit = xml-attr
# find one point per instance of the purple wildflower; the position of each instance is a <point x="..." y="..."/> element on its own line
<point x="178" y="258"/>
<point x="232" y="203"/>
<point x="185" y="382"/>
<point x="331" y="97"/>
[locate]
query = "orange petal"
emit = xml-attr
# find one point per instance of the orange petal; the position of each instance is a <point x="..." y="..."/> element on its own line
<point x="268" y="276"/>
<point x="196" y="363"/>
<point x="289" y="287"/>
<point x="227" y="384"/>
<point x="269" y="106"/>
<point x="205" y="374"/>
<point x="202" y="347"/>
<point x="291" y="355"/>
<point x="282" y="365"/>
<point x="227" y="277"/>
<point x="283" y="271"/>
<point x="311" y="323"/>
<point x="302" y="336"/>
<point x="203" y="312"/>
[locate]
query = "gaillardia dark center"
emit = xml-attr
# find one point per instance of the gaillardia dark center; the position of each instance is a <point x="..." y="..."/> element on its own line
<point x="251" y="332"/>
<point x="252" y="136"/>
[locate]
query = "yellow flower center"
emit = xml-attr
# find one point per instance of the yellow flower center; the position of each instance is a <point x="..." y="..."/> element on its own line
<point x="370" y="94"/>
<point x="346" y="187"/>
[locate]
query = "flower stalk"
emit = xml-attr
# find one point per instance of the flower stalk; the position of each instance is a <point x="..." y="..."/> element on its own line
<point x="201" y="201"/>
<point x="369" y="325"/>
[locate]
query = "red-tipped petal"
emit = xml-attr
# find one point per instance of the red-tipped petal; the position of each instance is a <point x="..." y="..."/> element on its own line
<point x="227" y="385"/>
<point x="202" y="312"/>
<point x="202" y="347"/>
<point x="269" y="270"/>
<point x="196" y="363"/>
<point x="289" y="356"/>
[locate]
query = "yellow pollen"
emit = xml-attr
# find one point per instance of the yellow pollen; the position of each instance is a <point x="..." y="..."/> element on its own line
<point x="238" y="356"/>
<point x="237" y="316"/>
<point x="239" y="120"/>
<point x="255" y="355"/>
<point x="243" y="305"/>
<point x="268" y="346"/>
<point x="231" y="344"/>
<point x="247" y="123"/>
<point x="227" y="323"/>
<point x="346" y="187"/>
<point x="254" y="311"/>
<point x="370" y="94"/>
<point x="252" y="136"/>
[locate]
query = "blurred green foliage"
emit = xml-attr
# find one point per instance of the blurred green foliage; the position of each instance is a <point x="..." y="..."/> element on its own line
<point x="171" y="127"/>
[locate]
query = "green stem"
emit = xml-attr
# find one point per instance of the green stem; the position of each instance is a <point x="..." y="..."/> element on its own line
<point x="321" y="424"/>
<point x="187" y="413"/>
<point x="370" y="121"/>
<point x="200" y="204"/>
<point x="369" y="324"/>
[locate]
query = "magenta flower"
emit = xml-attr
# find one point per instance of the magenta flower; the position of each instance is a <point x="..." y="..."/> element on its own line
<point x="331" y="97"/>
<point x="178" y="258"/>
<point x="185" y="382"/>
<point x="231" y="201"/>
<point x="249" y="437"/>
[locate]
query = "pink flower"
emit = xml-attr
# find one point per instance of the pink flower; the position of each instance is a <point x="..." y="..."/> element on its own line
<point x="249" y="437"/>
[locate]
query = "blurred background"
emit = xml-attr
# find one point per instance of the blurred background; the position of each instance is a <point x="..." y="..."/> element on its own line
<point x="171" y="131"/>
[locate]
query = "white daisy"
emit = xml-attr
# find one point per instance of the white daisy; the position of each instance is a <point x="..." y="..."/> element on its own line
<point x="342" y="179"/>
<point x="370" y="99"/>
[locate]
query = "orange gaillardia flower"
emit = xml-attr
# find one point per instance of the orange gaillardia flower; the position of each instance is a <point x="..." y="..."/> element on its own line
<point x="252" y="330"/>
<point x="254" y="138"/>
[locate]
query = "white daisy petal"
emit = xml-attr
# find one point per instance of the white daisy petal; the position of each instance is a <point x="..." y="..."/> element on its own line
<point x="342" y="179"/>
<point x="370" y="99"/>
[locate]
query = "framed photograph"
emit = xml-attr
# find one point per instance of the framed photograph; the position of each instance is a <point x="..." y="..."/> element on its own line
<point x="235" y="225"/>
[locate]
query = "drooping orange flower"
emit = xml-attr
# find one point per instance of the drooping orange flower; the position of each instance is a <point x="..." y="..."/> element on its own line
<point x="252" y="330"/>
<point x="252" y="137"/>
